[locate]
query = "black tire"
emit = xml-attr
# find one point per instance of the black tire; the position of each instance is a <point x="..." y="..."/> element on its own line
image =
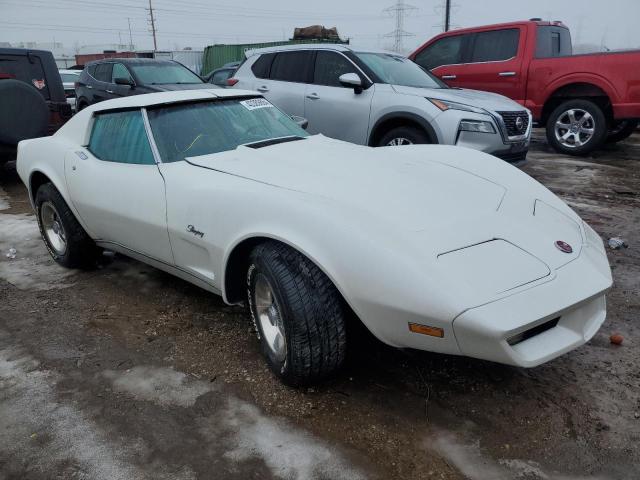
<point x="80" y="250"/>
<point x="599" y="126"/>
<point x="310" y="309"/>
<point x="412" y="134"/>
<point x="24" y="113"/>
<point x="81" y="105"/>
<point x="621" y="130"/>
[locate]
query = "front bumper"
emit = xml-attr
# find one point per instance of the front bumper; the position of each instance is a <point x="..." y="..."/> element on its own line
<point x="569" y="310"/>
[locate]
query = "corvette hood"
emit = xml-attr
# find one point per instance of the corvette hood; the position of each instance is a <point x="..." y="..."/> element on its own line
<point x="475" y="98"/>
<point x="399" y="185"/>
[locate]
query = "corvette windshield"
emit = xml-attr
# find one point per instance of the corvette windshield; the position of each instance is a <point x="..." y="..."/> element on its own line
<point x="398" y="70"/>
<point x="164" y="73"/>
<point x="193" y="129"/>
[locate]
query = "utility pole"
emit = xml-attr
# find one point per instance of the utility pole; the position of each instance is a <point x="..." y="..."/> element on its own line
<point x="447" y="15"/>
<point x="130" y="36"/>
<point x="399" y="10"/>
<point x="153" y="27"/>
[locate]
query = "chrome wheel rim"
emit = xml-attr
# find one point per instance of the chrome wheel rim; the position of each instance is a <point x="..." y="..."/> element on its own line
<point x="574" y="128"/>
<point x="270" y="318"/>
<point x="52" y="228"/>
<point x="396" y="142"/>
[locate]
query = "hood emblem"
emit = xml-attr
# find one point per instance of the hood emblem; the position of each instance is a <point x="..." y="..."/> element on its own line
<point x="563" y="246"/>
<point x="519" y="123"/>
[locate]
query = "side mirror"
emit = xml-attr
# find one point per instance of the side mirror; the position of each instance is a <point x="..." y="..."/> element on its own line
<point x="351" y="80"/>
<point x="124" y="81"/>
<point x="301" y="121"/>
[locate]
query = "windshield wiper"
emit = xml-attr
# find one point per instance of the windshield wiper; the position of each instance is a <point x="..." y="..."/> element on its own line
<point x="272" y="141"/>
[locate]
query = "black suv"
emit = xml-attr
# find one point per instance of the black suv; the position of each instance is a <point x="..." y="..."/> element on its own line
<point x="32" y="100"/>
<point x="120" y="77"/>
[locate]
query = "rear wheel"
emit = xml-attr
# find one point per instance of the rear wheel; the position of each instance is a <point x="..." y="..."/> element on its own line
<point x="576" y="127"/>
<point x="298" y="314"/>
<point x="621" y="130"/>
<point x="64" y="237"/>
<point x="403" y="136"/>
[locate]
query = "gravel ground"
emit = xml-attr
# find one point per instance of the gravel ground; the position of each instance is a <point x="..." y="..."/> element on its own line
<point x="126" y="372"/>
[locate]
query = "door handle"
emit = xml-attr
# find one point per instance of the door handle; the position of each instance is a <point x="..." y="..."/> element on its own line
<point x="313" y="96"/>
<point x="263" y="89"/>
<point x="89" y="86"/>
<point x="507" y="74"/>
<point x="449" y="77"/>
<point x="109" y="91"/>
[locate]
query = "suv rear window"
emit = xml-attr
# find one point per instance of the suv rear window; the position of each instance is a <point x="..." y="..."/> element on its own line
<point x="495" y="46"/>
<point x="292" y="67"/>
<point x="20" y="68"/>
<point x="262" y="65"/>
<point x="553" y="41"/>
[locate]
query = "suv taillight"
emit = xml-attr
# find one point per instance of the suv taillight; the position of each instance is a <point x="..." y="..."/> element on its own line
<point x="232" y="81"/>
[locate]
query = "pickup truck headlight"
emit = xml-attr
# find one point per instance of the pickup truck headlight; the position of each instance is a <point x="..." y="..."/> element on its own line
<point x="445" y="105"/>
<point x="478" y="126"/>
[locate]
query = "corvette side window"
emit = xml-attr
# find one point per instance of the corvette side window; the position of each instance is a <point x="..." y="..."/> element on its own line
<point x="121" y="137"/>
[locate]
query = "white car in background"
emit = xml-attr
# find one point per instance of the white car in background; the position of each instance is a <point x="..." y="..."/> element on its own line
<point x="432" y="247"/>
<point x="69" y="79"/>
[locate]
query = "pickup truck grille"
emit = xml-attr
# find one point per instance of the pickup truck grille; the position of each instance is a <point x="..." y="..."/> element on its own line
<point x="514" y="126"/>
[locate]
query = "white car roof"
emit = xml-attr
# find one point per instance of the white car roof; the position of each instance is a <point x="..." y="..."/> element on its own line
<point x="162" y="98"/>
<point x="316" y="46"/>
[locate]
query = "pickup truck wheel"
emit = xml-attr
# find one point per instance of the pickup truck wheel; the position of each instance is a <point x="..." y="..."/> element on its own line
<point x="576" y="127"/>
<point x="621" y="130"/>
<point x="298" y="314"/>
<point x="64" y="237"/>
<point x="403" y="136"/>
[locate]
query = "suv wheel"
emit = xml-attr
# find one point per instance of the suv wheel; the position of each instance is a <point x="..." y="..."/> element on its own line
<point x="576" y="127"/>
<point x="403" y="136"/>
<point x="81" y="105"/>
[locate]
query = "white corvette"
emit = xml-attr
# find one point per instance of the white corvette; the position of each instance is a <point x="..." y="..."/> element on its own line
<point x="431" y="247"/>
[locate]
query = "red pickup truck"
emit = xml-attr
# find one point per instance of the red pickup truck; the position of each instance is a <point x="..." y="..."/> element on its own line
<point x="583" y="100"/>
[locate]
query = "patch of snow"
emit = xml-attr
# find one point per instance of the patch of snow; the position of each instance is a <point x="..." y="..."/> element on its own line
<point x="32" y="268"/>
<point x="4" y="200"/>
<point x="289" y="453"/>
<point x="163" y="386"/>
<point x="469" y="459"/>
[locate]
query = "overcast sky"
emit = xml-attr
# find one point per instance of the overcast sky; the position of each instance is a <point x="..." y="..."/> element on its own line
<point x="181" y="23"/>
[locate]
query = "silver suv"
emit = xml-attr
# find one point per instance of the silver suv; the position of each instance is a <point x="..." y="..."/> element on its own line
<point x="379" y="98"/>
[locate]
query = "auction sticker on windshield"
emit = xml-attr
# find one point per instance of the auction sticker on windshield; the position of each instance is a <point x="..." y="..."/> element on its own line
<point x="255" y="103"/>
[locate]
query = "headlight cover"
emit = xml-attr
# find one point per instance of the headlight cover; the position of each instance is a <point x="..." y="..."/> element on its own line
<point x="445" y="105"/>
<point x="477" y="126"/>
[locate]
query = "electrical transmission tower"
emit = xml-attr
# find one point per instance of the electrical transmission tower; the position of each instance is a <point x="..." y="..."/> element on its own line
<point x="152" y="22"/>
<point x="400" y="10"/>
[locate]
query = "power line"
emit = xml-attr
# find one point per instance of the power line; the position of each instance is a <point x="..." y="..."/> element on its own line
<point x="399" y="10"/>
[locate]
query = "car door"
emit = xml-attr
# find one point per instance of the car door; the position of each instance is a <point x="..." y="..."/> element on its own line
<point x="444" y="58"/>
<point x="332" y="109"/>
<point x="493" y="63"/>
<point x="286" y="83"/>
<point x="115" y="90"/>
<point x="102" y="76"/>
<point x="116" y="186"/>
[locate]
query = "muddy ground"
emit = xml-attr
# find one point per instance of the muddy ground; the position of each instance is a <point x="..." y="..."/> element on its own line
<point x="128" y="373"/>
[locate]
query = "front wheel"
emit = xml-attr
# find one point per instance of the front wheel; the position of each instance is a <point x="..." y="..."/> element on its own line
<point x="576" y="127"/>
<point x="403" y="136"/>
<point x="64" y="237"/>
<point x="298" y="314"/>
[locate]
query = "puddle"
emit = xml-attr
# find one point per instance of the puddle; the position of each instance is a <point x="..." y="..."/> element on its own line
<point x="32" y="268"/>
